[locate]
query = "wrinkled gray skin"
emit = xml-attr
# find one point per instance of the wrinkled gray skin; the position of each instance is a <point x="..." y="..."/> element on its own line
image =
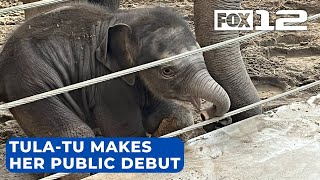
<point x="79" y="42"/>
<point x="225" y="64"/>
<point x="111" y="4"/>
<point x="237" y="84"/>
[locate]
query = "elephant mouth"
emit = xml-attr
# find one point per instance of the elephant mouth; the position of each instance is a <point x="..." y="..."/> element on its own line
<point x="196" y="102"/>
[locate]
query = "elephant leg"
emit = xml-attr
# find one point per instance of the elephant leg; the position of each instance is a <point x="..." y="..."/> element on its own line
<point x="50" y="118"/>
<point x="169" y="114"/>
<point x="225" y="64"/>
<point x="113" y="123"/>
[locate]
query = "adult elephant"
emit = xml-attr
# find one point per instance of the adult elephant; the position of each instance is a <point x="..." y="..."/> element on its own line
<point x="225" y="64"/>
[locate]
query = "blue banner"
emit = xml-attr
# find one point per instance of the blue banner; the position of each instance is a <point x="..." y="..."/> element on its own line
<point x="79" y="155"/>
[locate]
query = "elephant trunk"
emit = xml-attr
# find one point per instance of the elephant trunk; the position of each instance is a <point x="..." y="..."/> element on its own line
<point x="202" y="85"/>
<point x="225" y="64"/>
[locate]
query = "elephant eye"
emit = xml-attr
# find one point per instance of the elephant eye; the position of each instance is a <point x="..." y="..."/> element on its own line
<point x="167" y="72"/>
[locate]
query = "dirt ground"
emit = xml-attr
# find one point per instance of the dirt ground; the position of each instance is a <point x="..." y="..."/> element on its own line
<point x="276" y="62"/>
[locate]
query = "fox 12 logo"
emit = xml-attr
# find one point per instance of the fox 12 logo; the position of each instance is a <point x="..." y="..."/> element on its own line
<point x="225" y="20"/>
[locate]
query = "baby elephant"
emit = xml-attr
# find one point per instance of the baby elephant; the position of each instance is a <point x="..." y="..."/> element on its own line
<point x="77" y="42"/>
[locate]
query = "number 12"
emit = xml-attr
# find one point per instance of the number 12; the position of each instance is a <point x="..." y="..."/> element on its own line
<point x="283" y="24"/>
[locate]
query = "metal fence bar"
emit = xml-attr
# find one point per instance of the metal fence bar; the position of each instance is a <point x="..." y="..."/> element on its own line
<point x="30" y="5"/>
<point x="55" y="176"/>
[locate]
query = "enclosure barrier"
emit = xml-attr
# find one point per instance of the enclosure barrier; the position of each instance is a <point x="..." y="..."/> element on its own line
<point x="144" y="67"/>
<point x="30" y="5"/>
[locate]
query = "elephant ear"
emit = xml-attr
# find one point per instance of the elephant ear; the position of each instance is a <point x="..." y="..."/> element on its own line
<point x="115" y="51"/>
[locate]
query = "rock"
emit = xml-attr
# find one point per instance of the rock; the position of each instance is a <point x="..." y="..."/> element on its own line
<point x="5" y="115"/>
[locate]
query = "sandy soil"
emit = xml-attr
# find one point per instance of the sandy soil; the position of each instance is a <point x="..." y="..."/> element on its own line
<point x="276" y="62"/>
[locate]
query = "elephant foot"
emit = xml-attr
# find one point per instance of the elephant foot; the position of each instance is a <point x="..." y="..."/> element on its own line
<point x="209" y="113"/>
<point x="172" y="124"/>
<point x="169" y="125"/>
